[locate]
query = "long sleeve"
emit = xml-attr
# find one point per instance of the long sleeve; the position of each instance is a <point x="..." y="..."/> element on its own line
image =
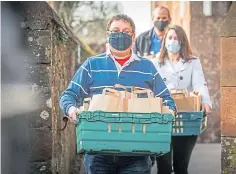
<point x="77" y="89"/>
<point x="199" y="82"/>
<point x="161" y="90"/>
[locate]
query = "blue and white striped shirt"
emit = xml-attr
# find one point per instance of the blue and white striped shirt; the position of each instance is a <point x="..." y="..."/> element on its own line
<point x="102" y="71"/>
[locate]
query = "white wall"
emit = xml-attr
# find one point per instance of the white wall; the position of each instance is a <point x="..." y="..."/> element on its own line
<point x="140" y="12"/>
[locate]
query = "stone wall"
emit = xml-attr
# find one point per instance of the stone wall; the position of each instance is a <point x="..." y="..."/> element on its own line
<point x="50" y="62"/>
<point x="228" y="93"/>
<point x="205" y="43"/>
<point x="63" y="65"/>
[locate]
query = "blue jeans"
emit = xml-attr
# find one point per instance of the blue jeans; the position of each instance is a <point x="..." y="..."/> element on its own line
<point x="101" y="164"/>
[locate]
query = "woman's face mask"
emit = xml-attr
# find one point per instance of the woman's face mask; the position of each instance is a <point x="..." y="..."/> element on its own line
<point x="120" y="41"/>
<point x="172" y="46"/>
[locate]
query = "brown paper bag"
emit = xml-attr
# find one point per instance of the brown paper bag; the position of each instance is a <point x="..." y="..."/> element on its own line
<point x="125" y="95"/>
<point x="109" y="101"/>
<point x="144" y="105"/>
<point x="186" y="102"/>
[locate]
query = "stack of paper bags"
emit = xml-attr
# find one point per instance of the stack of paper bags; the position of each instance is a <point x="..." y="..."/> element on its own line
<point x="113" y="100"/>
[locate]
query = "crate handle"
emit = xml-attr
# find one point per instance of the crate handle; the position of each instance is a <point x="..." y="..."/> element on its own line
<point x="110" y="151"/>
<point x="141" y="151"/>
<point x="195" y="116"/>
<point x="99" y="116"/>
<point x="161" y="119"/>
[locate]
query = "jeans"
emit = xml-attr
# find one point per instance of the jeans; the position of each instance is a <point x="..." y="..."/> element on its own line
<point x="182" y="147"/>
<point x="101" y="164"/>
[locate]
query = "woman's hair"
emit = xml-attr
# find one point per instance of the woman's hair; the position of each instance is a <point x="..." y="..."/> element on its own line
<point x="185" y="50"/>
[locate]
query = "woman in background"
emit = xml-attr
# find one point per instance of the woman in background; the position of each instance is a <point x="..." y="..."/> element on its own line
<point x="180" y="69"/>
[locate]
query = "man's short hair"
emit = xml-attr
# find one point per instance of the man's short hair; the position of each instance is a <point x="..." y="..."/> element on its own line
<point x="122" y="17"/>
<point x="161" y="8"/>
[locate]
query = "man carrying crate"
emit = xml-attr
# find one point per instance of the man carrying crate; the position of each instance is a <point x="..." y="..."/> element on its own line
<point x="119" y="65"/>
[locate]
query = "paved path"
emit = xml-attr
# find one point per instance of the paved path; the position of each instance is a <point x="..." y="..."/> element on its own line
<point x="206" y="159"/>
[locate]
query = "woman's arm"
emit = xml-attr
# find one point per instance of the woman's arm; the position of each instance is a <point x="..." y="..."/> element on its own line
<point x="199" y="84"/>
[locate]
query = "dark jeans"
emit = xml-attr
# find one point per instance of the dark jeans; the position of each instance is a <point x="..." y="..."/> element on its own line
<point x="182" y="147"/>
<point x="100" y="164"/>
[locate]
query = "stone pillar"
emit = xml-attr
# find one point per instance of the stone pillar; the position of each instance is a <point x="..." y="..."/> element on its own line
<point x="205" y="43"/>
<point x="228" y="92"/>
<point x="51" y="62"/>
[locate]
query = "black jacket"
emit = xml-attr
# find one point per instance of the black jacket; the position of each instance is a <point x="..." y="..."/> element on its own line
<point x="143" y="43"/>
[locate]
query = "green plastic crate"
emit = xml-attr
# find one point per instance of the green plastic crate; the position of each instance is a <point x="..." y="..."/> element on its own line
<point x="189" y="123"/>
<point x="123" y="133"/>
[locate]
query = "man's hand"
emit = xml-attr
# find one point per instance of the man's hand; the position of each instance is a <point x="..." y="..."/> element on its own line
<point x="207" y="108"/>
<point x="72" y="114"/>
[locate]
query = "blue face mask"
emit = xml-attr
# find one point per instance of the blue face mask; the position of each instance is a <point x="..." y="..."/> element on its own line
<point x="172" y="46"/>
<point x="120" y="41"/>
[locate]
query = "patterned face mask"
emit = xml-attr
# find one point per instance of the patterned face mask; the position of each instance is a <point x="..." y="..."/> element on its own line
<point x="120" y="41"/>
<point x="172" y="46"/>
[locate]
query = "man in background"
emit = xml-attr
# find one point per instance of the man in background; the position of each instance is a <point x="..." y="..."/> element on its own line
<point x="148" y="44"/>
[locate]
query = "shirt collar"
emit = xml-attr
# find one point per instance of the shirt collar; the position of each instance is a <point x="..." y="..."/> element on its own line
<point x="181" y="61"/>
<point x="134" y="57"/>
<point x="154" y="34"/>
